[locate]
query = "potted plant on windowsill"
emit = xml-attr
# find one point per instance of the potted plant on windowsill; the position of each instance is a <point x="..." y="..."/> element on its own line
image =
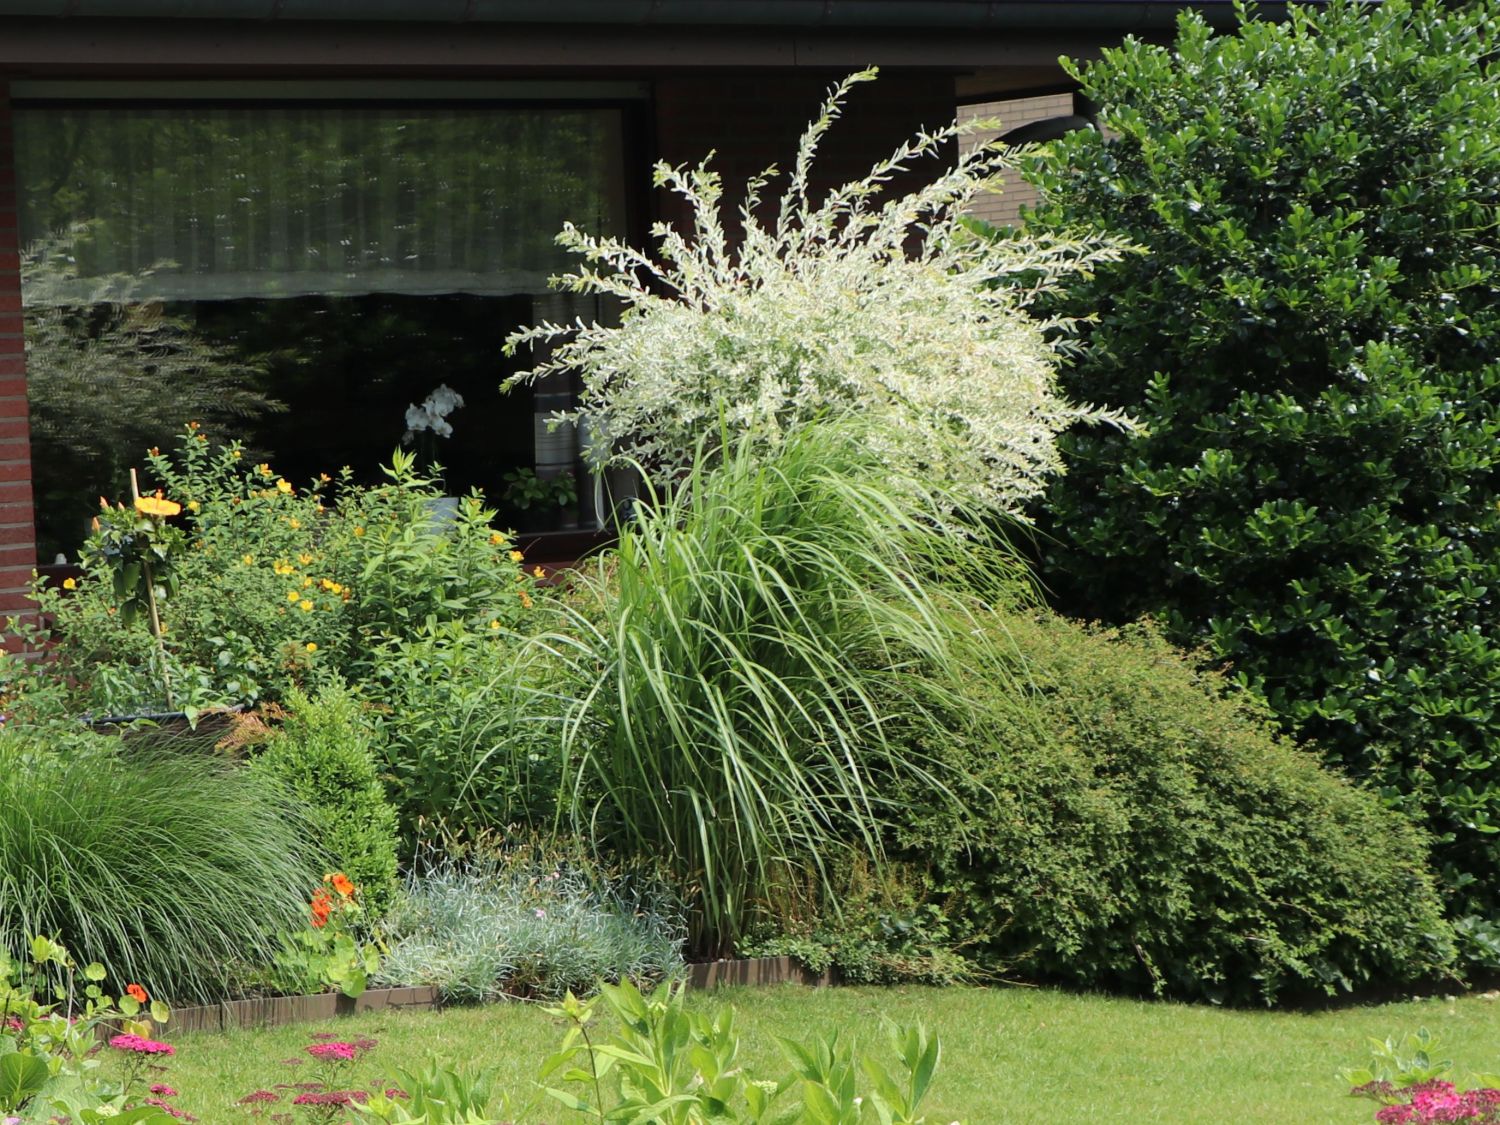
<point x="538" y="503"/>
<point x="424" y="425"/>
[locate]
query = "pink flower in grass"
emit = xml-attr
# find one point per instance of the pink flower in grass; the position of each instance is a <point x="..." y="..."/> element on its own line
<point x="162" y="1090"/>
<point x="332" y="1097"/>
<point x="259" y="1097"/>
<point x="330" y="1051"/>
<point x="170" y="1110"/>
<point x="140" y="1046"/>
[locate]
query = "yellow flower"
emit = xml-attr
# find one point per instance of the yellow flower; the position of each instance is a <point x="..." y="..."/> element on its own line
<point x="324" y="477"/>
<point x="516" y="556"/>
<point x="236" y="453"/>
<point x="292" y="595"/>
<point x="306" y="582"/>
<point x="156" y="506"/>
<point x="494" y="624"/>
<point x="202" y="437"/>
<point x="194" y="506"/>
<point x="525" y="599"/>
<point x="295" y="523"/>
<point x="283" y="485"/>
<point x="263" y="469"/>
<point x="304" y="558"/>
<point x="497" y="539"/>
<point x="312" y="646"/>
<point x="305" y="606"/>
<point x="70" y="583"/>
<point x="247" y="559"/>
<point x="538" y="572"/>
<point x="359" y="531"/>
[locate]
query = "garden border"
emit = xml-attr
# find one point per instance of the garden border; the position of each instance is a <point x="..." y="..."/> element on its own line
<point x="278" y="1011"/>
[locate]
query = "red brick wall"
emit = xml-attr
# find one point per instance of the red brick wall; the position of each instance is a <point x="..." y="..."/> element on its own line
<point x="17" y="529"/>
<point x="751" y="121"/>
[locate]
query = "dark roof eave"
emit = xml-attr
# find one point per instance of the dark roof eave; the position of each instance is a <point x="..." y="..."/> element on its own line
<point x="1052" y="15"/>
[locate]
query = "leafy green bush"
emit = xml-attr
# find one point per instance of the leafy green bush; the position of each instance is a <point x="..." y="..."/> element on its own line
<point x="878" y="926"/>
<point x="530" y="925"/>
<point x="469" y="734"/>
<point x="1135" y="825"/>
<point x="166" y="868"/>
<point x="324" y="756"/>
<point x="1310" y="342"/>
<point x="726" y="695"/>
<point x="274" y="587"/>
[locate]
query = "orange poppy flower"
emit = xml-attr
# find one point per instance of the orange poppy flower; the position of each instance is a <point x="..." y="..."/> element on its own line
<point x="342" y="884"/>
<point x="137" y="993"/>
<point x="322" y="907"/>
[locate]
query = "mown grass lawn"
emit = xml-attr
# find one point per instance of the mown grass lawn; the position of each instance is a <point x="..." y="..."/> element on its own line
<point x="1009" y="1054"/>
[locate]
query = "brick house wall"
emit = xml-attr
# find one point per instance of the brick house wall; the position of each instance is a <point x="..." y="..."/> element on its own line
<point x="1003" y="209"/>
<point x="17" y="529"/>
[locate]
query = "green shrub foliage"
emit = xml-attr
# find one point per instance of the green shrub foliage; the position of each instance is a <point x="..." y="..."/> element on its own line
<point x="1135" y="827"/>
<point x="164" y="866"/>
<point x="1310" y="340"/>
<point x="324" y="754"/>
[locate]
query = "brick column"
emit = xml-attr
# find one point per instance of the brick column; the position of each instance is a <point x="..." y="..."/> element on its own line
<point x="17" y="523"/>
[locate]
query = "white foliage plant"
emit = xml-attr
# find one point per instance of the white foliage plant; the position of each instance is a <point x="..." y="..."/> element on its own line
<point x="889" y="307"/>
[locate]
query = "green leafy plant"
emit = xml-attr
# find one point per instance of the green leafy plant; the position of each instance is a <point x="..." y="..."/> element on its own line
<point x="1406" y="1079"/>
<point x="323" y="754"/>
<point x="438" y="1095"/>
<point x="1136" y="824"/>
<point x="667" y="1064"/>
<point x="525" y="490"/>
<point x="166" y="868"/>
<point x="276" y="587"/>
<point x="1309" y="342"/>
<point x="51" y="1014"/>
<point x="468" y="730"/>
<point x="331" y="952"/>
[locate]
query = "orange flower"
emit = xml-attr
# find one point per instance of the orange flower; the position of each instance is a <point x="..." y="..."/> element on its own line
<point x="322" y="907"/>
<point x="156" y="506"/>
<point x="136" y="993"/>
<point x="341" y="884"/>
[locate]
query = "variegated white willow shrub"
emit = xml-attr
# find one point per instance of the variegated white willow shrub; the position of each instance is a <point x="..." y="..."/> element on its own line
<point x="887" y="307"/>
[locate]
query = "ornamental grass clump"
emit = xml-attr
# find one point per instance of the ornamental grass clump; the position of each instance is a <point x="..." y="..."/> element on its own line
<point x="862" y="302"/>
<point x="165" y="868"/>
<point x="763" y="628"/>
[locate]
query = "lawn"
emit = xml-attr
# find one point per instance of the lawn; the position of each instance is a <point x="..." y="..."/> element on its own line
<point x="1009" y="1054"/>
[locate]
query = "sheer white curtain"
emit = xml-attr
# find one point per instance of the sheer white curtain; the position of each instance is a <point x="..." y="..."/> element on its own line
<point x="191" y="202"/>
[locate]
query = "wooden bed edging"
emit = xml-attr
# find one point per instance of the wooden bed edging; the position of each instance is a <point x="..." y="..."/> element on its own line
<point x="278" y="1011"/>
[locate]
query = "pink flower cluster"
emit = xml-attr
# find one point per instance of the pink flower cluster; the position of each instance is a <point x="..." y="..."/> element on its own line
<point x="329" y="1051"/>
<point x="332" y="1097"/>
<point x="1438" y="1102"/>
<point x="140" y="1046"/>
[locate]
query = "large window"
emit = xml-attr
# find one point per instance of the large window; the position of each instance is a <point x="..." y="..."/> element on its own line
<point x="296" y="274"/>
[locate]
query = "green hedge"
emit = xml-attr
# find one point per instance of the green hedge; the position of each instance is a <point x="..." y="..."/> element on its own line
<point x="1135" y="828"/>
<point x="1310" y="338"/>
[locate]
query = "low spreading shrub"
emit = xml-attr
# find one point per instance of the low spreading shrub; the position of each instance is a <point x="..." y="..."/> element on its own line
<point x="166" y="868"/>
<point x="323" y="755"/>
<point x="530" y="926"/>
<point x="1135" y="826"/>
